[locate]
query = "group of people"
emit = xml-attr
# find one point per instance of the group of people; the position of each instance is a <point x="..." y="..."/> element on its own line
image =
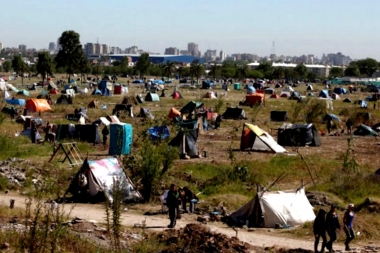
<point x="330" y="223"/>
<point x="174" y="198"/>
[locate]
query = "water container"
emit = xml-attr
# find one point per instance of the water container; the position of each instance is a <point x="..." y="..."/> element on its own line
<point x="237" y="86"/>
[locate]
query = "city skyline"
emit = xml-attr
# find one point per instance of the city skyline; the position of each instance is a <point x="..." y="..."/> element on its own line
<point x="297" y="27"/>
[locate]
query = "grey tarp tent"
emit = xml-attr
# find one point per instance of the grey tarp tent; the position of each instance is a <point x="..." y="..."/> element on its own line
<point x="186" y="140"/>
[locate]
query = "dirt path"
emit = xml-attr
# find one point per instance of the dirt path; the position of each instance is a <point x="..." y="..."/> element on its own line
<point x="159" y="222"/>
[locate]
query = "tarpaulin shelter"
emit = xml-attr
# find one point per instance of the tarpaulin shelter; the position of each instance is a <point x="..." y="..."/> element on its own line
<point x="279" y="116"/>
<point x="251" y="90"/>
<point x="24" y="92"/>
<point x="186" y="140"/>
<point x="54" y="91"/>
<point x="152" y="97"/>
<point x="113" y="119"/>
<point x="285" y="94"/>
<point x="158" y="133"/>
<point x="96" y="92"/>
<point x="190" y="107"/>
<point x="97" y="177"/>
<point x="140" y="99"/>
<point x="37" y="105"/>
<point x="121" y="136"/>
<point x="207" y="84"/>
<point x="129" y="100"/>
<point x="268" y="208"/>
<point x="234" y="113"/>
<point x="298" y="135"/>
<point x="274" y="96"/>
<point x="52" y="86"/>
<point x="176" y="95"/>
<point x="332" y="117"/>
<point x="364" y="130"/>
<point x="254" y="138"/>
<point x="254" y="99"/>
<point x="105" y="87"/>
<point x="65" y="99"/>
<point x="340" y="90"/>
<point x="28" y="133"/>
<point x="20" y="102"/>
<point x="269" y="91"/>
<point x="288" y="89"/>
<point x="174" y="113"/>
<point x="209" y="94"/>
<point x="124" y="109"/>
<point x="27" y="119"/>
<point x="324" y="94"/>
<point x="145" y="113"/>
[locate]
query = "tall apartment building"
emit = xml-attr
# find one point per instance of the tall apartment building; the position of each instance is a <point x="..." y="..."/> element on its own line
<point x="22" y="47"/>
<point x="183" y="52"/>
<point x="132" y="50"/>
<point x="171" y="51"/>
<point x="89" y="49"/>
<point x="52" y="46"/>
<point x="193" y="49"/>
<point x="210" y="55"/>
<point x="105" y="49"/>
<point x="222" y="55"/>
<point x="98" y="49"/>
<point x="115" y="50"/>
<point x="1" y="45"/>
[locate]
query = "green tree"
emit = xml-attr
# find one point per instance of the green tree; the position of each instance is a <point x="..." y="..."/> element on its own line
<point x="124" y="66"/>
<point x="242" y="71"/>
<point x="264" y="67"/>
<point x="301" y="70"/>
<point x="256" y="74"/>
<point x="97" y="70"/>
<point x="289" y="73"/>
<point x="278" y="72"/>
<point x="311" y="76"/>
<point x="196" y="69"/>
<point x="367" y="66"/>
<point x="17" y="63"/>
<point x="336" y="72"/>
<point x="168" y="68"/>
<point x="44" y="65"/>
<point x="143" y="63"/>
<point x="84" y="68"/>
<point x="7" y="65"/>
<point x="352" y="70"/>
<point x="215" y="70"/>
<point x="71" y="53"/>
<point x="228" y="71"/>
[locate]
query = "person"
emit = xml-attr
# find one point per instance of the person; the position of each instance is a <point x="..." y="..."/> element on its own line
<point x="105" y="133"/>
<point x="189" y="197"/>
<point x="332" y="225"/>
<point x="319" y="229"/>
<point x="33" y="131"/>
<point x="348" y="219"/>
<point x="13" y="112"/>
<point x="349" y="126"/>
<point x="328" y="125"/>
<point x="172" y="203"/>
<point x="25" y="113"/>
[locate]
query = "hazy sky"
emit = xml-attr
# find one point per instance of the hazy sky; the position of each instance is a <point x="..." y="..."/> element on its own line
<point x="235" y="26"/>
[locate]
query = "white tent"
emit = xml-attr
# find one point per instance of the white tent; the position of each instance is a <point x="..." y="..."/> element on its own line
<point x="287" y="208"/>
<point x="335" y="96"/>
<point x="257" y="139"/>
<point x="288" y="88"/>
<point x="209" y="94"/>
<point x="310" y="87"/>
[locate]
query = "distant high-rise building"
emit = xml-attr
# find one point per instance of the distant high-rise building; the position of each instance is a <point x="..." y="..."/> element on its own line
<point x="183" y="52"/>
<point x="89" y="49"/>
<point x="171" y="51"/>
<point x="22" y="47"/>
<point x="1" y="46"/>
<point x="210" y="55"/>
<point x="52" y="46"/>
<point x="114" y="50"/>
<point x="222" y="55"/>
<point x="105" y="49"/>
<point x="193" y="49"/>
<point x="132" y="50"/>
<point x="98" y="49"/>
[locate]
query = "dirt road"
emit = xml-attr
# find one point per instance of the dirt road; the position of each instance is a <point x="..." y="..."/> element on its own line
<point x="159" y="222"/>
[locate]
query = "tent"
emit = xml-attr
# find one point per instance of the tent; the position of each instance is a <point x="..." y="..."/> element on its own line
<point x="254" y="99"/>
<point x="190" y="107"/>
<point x="24" y="92"/>
<point x="113" y="119"/>
<point x="20" y="102"/>
<point x="207" y="84"/>
<point x="209" y="94"/>
<point x="298" y="135"/>
<point x="174" y="113"/>
<point x="93" y="104"/>
<point x="256" y="139"/>
<point x="266" y="209"/>
<point x="310" y="87"/>
<point x="324" y="94"/>
<point x="145" y="113"/>
<point x="6" y="95"/>
<point x="362" y="103"/>
<point x="95" y="180"/>
<point x="288" y="89"/>
<point x="285" y="94"/>
<point x="332" y="117"/>
<point x="274" y="96"/>
<point x="295" y="95"/>
<point x="37" y="105"/>
<point x="152" y="97"/>
<point x="121" y="135"/>
<point x="129" y="100"/>
<point x="251" y="90"/>
<point x="376" y="127"/>
<point x="234" y="113"/>
<point x="124" y="109"/>
<point x="158" y="133"/>
<point x="96" y="92"/>
<point x="176" y="95"/>
<point x="335" y="96"/>
<point x="65" y="99"/>
<point x="28" y="133"/>
<point x="364" y="130"/>
<point x="278" y="85"/>
<point x="279" y="116"/>
<point x="52" y="86"/>
<point x="269" y="91"/>
<point x="187" y="142"/>
<point x="339" y="90"/>
<point x="105" y="87"/>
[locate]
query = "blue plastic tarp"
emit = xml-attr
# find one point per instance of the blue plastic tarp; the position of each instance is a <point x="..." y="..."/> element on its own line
<point x="158" y="82"/>
<point x="96" y="92"/>
<point x="24" y="92"/>
<point x="138" y="81"/>
<point x="159" y="132"/>
<point x="120" y="139"/>
<point x="339" y="90"/>
<point x="16" y="101"/>
<point x="251" y="90"/>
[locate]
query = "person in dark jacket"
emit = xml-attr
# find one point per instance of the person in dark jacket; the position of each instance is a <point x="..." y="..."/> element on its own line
<point x="332" y="225"/>
<point x="348" y="219"/>
<point x="172" y="203"/>
<point x="189" y="197"/>
<point x="105" y="133"/>
<point x="319" y="230"/>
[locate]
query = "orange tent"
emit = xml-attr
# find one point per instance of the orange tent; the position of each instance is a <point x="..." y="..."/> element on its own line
<point x="254" y="99"/>
<point x="37" y="105"/>
<point x="174" y="113"/>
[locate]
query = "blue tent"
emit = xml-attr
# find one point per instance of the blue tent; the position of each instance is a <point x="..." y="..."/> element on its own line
<point x="159" y="132"/>
<point x="120" y="139"/>
<point x="158" y="82"/>
<point x="324" y="94"/>
<point x="16" y="101"/>
<point x="207" y="84"/>
<point x="96" y="92"/>
<point x="339" y="90"/>
<point x="152" y="97"/>
<point x="251" y="90"/>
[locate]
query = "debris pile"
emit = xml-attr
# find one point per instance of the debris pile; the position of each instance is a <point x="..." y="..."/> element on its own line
<point x="13" y="169"/>
<point x="318" y="199"/>
<point x="198" y="238"/>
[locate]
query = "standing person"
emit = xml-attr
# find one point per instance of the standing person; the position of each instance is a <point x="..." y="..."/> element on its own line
<point x="172" y="203"/>
<point x="349" y="125"/>
<point x="33" y="131"/>
<point x="328" y="125"/>
<point x="25" y="113"/>
<point x="348" y="219"/>
<point x="189" y="197"/>
<point x="105" y="133"/>
<point x="319" y="229"/>
<point x="332" y="225"/>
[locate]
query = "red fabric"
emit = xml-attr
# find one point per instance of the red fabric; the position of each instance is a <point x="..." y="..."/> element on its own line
<point x="255" y="98"/>
<point x="245" y="137"/>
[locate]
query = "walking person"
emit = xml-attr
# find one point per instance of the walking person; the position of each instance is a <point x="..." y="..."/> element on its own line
<point x="332" y="226"/>
<point x="349" y="126"/>
<point x="348" y="219"/>
<point x="319" y="229"/>
<point x="172" y="203"/>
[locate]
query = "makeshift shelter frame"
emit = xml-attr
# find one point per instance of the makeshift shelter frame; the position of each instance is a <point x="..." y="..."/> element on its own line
<point x="69" y="149"/>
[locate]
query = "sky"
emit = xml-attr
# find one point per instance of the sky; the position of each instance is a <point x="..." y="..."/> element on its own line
<point x="296" y="27"/>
